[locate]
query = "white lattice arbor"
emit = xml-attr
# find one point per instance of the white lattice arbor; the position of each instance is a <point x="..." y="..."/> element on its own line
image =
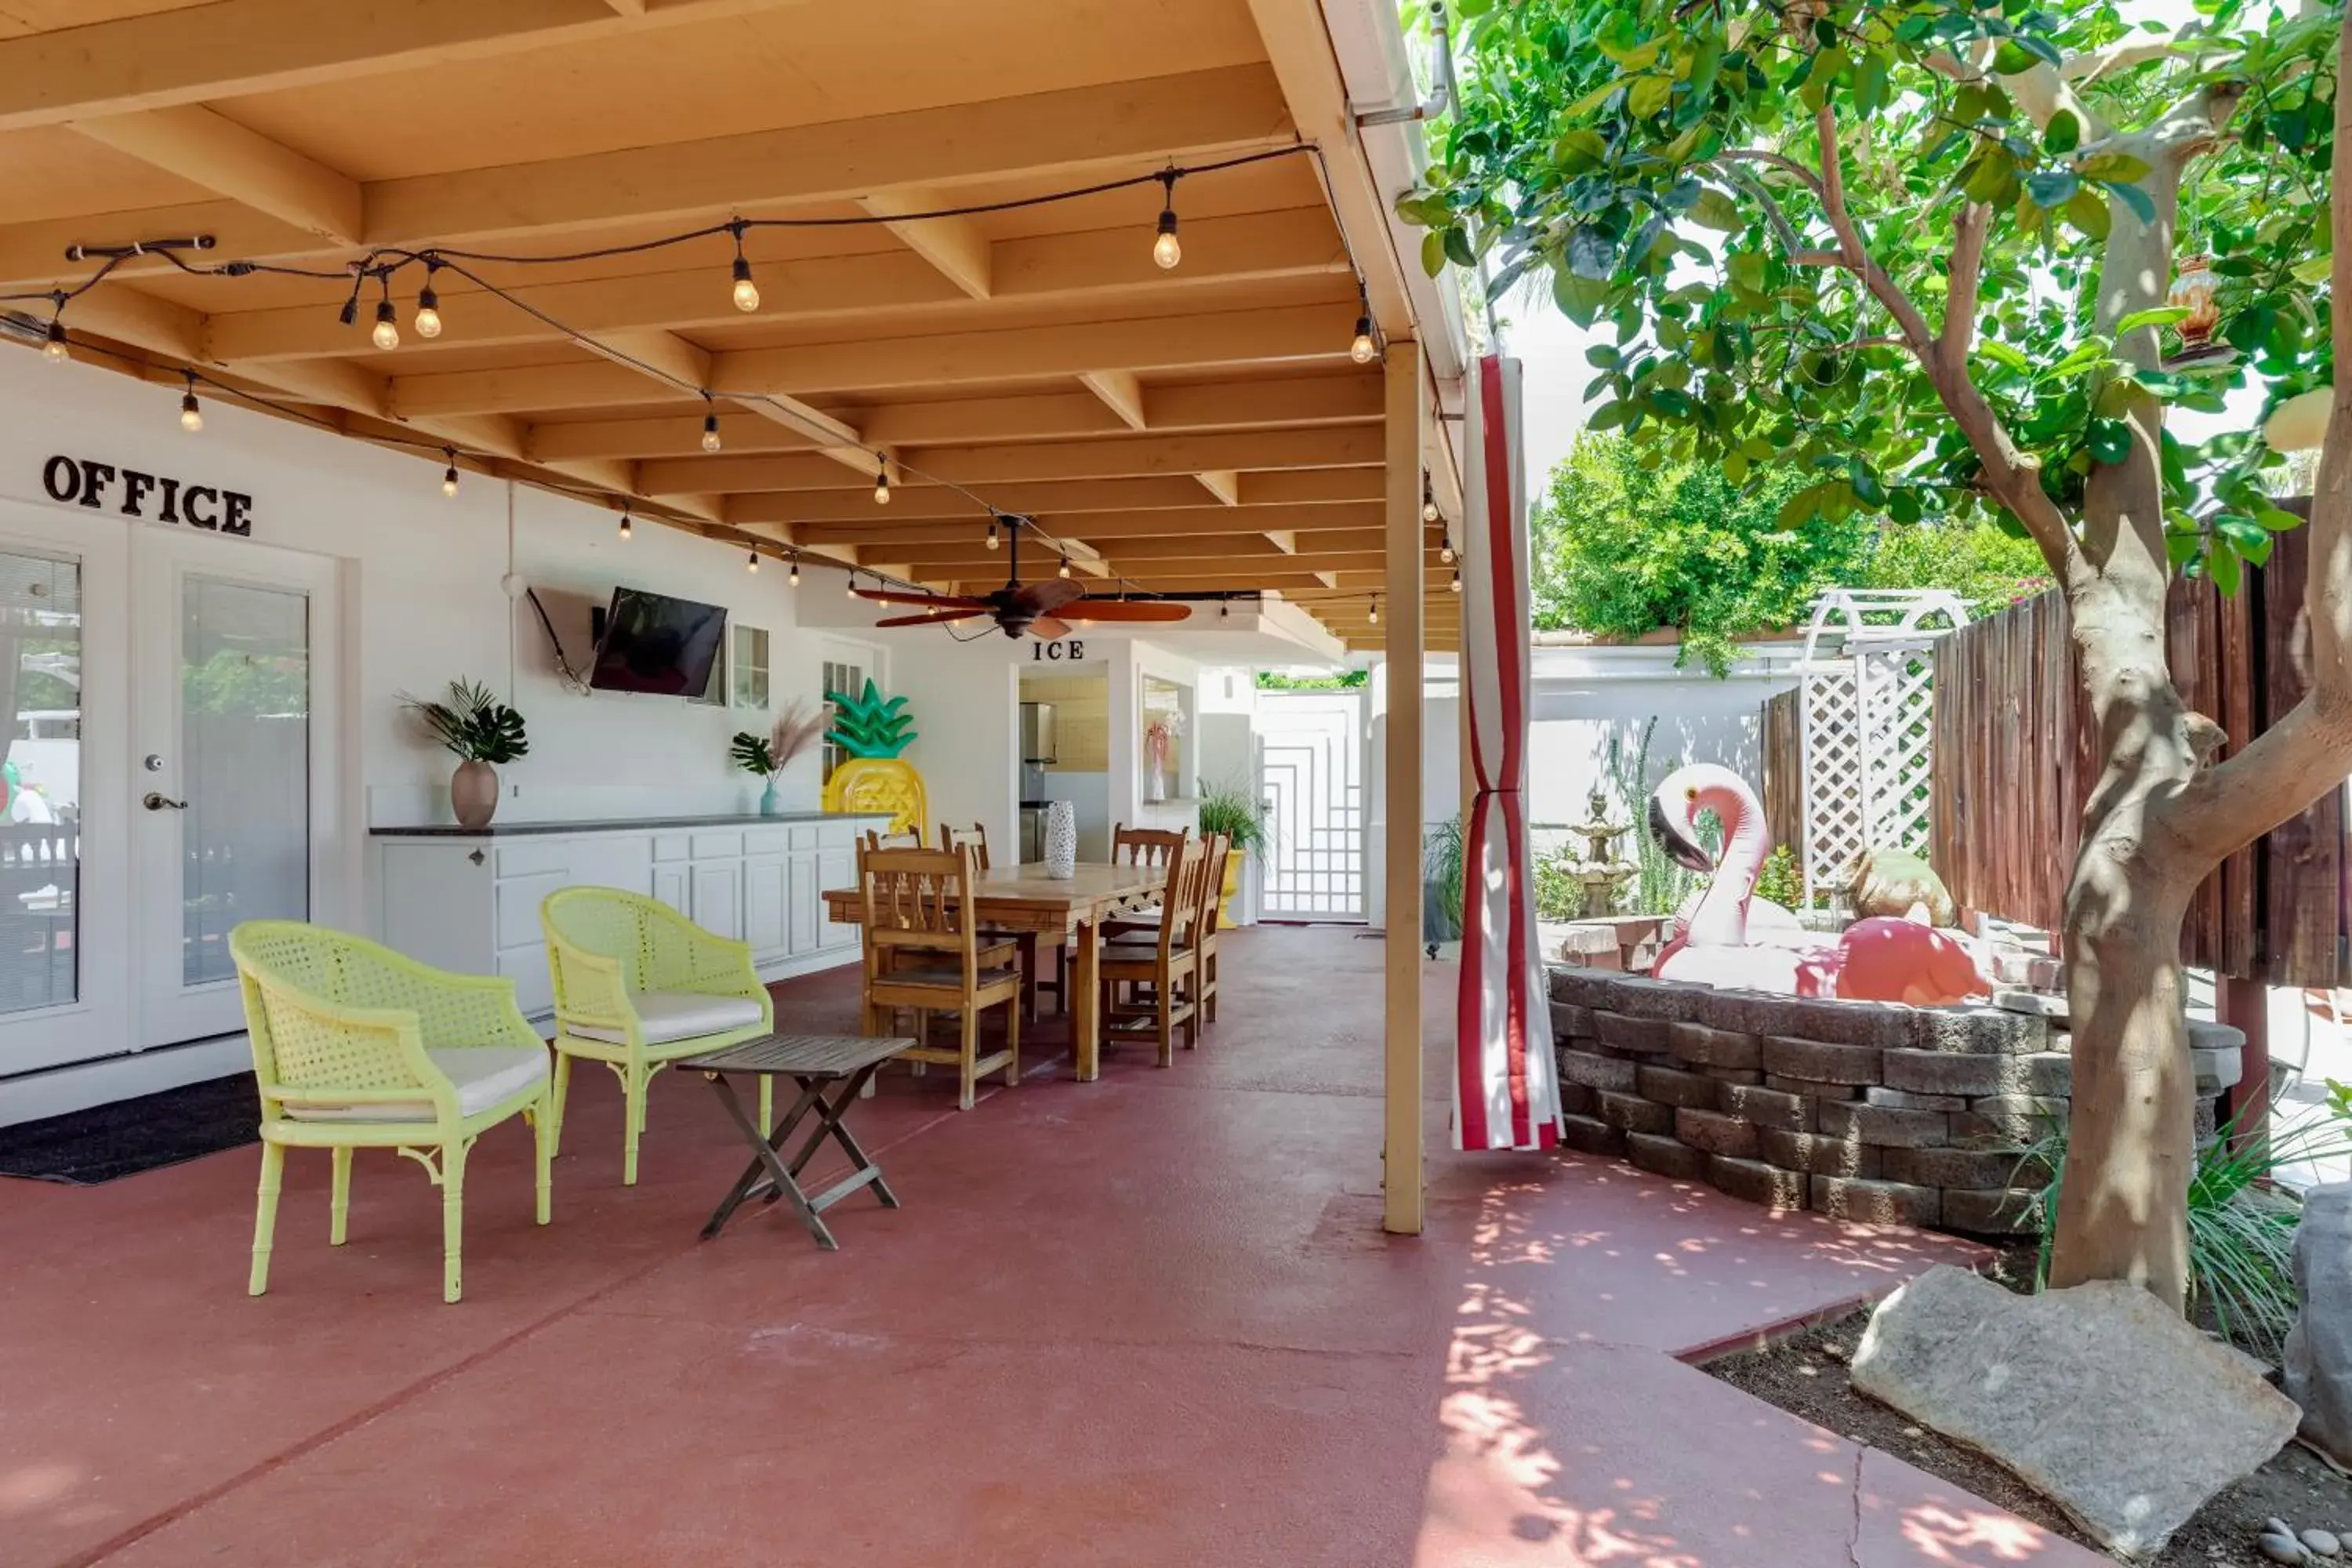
<point x="1867" y="695"/>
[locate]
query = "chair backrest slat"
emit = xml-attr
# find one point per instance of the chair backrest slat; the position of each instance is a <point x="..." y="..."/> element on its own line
<point x="976" y="835"/>
<point x="910" y="839"/>
<point x="1145" y="846"/>
<point x="1212" y="884"/>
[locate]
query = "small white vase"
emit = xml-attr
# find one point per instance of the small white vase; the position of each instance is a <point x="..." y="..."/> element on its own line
<point x="1061" y="840"/>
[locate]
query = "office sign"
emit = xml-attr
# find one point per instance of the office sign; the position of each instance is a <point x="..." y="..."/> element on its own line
<point x="85" y="481"/>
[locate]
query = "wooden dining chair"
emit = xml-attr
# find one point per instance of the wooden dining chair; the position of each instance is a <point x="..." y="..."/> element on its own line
<point x="1031" y="943"/>
<point x="923" y="954"/>
<point x="1213" y="887"/>
<point x="1143" y="847"/>
<point x="1166" y="960"/>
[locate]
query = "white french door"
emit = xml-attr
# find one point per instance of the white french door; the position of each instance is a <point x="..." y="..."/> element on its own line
<point x="232" y="764"/>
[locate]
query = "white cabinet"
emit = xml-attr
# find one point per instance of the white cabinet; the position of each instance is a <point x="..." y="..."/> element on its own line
<point x="470" y="903"/>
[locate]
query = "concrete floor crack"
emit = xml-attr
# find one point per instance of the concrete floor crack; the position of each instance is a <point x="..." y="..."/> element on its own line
<point x="1853" y="1534"/>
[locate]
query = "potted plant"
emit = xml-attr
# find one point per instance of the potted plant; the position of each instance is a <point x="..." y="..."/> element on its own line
<point x="483" y="733"/>
<point x="1231" y="810"/>
<point x="769" y="754"/>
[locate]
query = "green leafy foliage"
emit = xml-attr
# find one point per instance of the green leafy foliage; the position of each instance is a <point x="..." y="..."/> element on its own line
<point x="1625" y="543"/>
<point x="1659" y="885"/>
<point x="868" y="724"/>
<point x="1779" y="879"/>
<point x="1444" y="861"/>
<point x="1666" y="166"/>
<point x="1343" y="680"/>
<point x="474" y="725"/>
<point x="1229" y="808"/>
<point x="796" y="731"/>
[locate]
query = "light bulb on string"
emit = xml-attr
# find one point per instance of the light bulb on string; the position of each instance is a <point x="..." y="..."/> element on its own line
<point x="993" y="540"/>
<point x="192" y="416"/>
<point x="449" y="474"/>
<point x="1376" y="609"/>
<point x="1167" y="249"/>
<point x="1365" y="349"/>
<point x="1065" y="566"/>
<point x="1455" y="585"/>
<point x="626" y="528"/>
<point x="710" y="442"/>
<point x="54" y="349"/>
<point x="386" y="334"/>
<point x="792" y="577"/>
<point x="747" y="293"/>
<point x="429" y="308"/>
<point x="882" y="481"/>
<point x="1429" y="513"/>
<point x="1445" y="552"/>
<point x="850" y="588"/>
<point x="752" y="558"/>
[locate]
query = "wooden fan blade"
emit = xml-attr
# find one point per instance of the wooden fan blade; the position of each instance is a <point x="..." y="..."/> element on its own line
<point x="936" y="618"/>
<point x="1045" y="629"/>
<point x="893" y="596"/>
<point x="1128" y="610"/>
<point x="1043" y="598"/>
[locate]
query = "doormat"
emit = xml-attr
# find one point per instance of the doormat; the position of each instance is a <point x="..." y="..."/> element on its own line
<point x="84" y="1148"/>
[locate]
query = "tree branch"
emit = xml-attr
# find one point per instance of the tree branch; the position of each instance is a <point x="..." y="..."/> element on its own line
<point x="2286" y="767"/>
<point x="1851" y="252"/>
<point x="1969" y="232"/>
<point x="1786" y="165"/>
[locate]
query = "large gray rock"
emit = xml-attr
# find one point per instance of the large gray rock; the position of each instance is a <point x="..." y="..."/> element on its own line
<point x="2097" y="1398"/>
<point x="2319" y="1346"/>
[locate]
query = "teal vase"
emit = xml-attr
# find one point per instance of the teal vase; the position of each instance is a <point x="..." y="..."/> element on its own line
<point x="771" y="803"/>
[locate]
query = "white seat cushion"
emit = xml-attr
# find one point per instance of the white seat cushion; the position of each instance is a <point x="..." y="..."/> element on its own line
<point x="667" y="1015"/>
<point x="485" y="1075"/>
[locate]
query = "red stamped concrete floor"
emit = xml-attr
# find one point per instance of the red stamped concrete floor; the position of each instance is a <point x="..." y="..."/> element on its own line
<point x="1147" y="1320"/>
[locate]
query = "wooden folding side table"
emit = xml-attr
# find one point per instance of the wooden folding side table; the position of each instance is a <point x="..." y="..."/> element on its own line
<point x="845" y="1063"/>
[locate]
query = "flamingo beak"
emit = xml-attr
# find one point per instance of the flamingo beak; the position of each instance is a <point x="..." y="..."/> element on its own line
<point x="1680" y="846"/>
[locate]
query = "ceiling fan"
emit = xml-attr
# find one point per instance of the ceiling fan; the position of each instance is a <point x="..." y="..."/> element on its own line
<point x="1019" y="607"/>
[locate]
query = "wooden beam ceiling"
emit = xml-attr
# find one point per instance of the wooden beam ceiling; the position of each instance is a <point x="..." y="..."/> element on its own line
<point x="1198" y="430"/>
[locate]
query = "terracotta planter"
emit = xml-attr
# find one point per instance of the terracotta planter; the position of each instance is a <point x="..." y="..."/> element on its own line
<point x="474" y="794"/>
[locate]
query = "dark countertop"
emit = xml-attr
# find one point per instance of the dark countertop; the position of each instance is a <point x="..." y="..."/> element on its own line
<point x="620" y="825"/>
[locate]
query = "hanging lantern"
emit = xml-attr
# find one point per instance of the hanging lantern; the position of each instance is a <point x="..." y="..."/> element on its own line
<point x="2193" y="291"/>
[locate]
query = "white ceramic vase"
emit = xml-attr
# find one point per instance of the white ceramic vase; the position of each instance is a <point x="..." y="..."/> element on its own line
<point x="1061" y="840"/>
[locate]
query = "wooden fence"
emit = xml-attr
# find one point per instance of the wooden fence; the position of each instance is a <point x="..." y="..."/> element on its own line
<point x="2014" y="764"/>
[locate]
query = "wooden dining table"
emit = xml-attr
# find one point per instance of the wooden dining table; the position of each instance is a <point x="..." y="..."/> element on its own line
<point x="1023" y="898"/>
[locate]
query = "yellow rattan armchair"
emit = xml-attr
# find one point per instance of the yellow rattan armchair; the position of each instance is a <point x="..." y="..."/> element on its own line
<point x="357" y="1048"/>
<point x="637" y="986"/>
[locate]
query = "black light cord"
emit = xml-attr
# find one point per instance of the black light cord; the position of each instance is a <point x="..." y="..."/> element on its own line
<point x="384" y="262"/>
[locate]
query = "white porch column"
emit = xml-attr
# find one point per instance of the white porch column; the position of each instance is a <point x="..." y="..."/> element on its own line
<point x="1401" y="1203"/>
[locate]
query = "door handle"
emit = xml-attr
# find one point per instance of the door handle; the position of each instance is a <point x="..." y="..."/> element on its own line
<point x="155" y="802"/>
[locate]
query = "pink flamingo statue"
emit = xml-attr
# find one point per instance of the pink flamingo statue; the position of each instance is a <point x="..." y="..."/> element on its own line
<point x="1878" y="960"/>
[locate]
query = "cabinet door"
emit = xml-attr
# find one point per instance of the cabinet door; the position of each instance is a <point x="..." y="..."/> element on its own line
<point x="765" y="924"/>
<point x="834" y="868"/>
<point x="808" y="911"/>
<point x="718" y="897"/>
<point x="670" y="887"/>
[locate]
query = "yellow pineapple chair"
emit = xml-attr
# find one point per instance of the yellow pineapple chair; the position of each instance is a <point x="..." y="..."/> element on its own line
<point x="637" y="986"/>
<point x="358" y="1048"/>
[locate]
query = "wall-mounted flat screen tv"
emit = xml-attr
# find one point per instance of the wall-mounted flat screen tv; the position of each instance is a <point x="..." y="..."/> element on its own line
<point x="656" y="644"/>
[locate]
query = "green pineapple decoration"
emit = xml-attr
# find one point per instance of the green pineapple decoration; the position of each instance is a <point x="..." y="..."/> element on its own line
<point x="874" y="731"/>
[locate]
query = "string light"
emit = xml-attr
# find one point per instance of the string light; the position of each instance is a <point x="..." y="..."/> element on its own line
<point x="882" y="481"/>
<point x="747" y="293"/>
<point x="993" y="540"/>
<point x="1455" y="587"/>
<point x="1065" y="565"/>
<point x="386" y="332"/>
<point x="792" y="577"/>
<point x="1429" y="513"/>
<point x="428" y="306"/>
<point x="752" y="558"/>
<point x="626" y="528"/>
<point x="54" y="350"/>
<point x="710" y="442"/>
<point x="850" y="587"/>
<point x="1167" y="249"/>
<point x="1445" y="552"/>
<point x="1376" y="609"/>
<point x="449" y="474"/>
<point x="191" y="417"/>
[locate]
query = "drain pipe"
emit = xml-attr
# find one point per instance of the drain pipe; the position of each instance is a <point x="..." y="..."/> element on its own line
<point x="1441" y="79"/>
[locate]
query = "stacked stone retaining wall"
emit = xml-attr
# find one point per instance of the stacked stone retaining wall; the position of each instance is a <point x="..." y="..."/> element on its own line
<point x="1920" y="1116"/>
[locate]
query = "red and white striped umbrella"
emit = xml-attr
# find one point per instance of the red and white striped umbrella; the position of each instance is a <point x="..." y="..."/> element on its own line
<point x="1505" y="1080"/>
